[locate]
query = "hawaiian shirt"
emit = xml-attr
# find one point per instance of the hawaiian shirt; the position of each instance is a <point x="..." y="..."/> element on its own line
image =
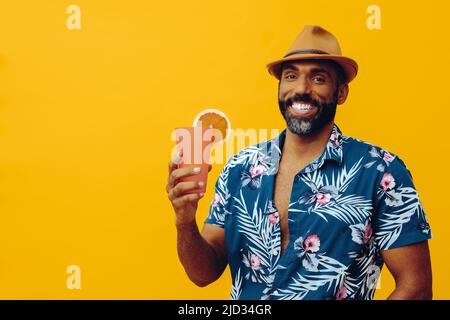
<point x="346" y="206"/>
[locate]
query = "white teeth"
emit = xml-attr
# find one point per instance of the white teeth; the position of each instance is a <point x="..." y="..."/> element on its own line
<point x="301" y="106"/>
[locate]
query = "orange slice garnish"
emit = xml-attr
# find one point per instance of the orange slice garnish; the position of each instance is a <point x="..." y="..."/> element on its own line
<point x="215" y="119"/>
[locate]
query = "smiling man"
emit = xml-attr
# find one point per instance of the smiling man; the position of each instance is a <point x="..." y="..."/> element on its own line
<point x="311" y="214"/>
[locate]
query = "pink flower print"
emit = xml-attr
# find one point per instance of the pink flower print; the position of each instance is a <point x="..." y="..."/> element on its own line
<point x="388" y="157"/>
<point x="256" y="171"/>
<point x="342" y="294"/>
<point x="323" y="198"/>
<point x="387" y="182"/>
<point x="255" y="261"/>
<point x="334" y="138"/>
<point x="273" y="218"/>
<point x="312" y="243"/>
<point x="368" y="233"/>
<point x="216" y="199"/>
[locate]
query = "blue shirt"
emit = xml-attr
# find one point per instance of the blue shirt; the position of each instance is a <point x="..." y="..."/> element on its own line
<point x="346" y="206"/>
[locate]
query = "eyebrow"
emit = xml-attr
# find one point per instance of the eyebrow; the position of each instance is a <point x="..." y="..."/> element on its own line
<point x="313" y="70"/>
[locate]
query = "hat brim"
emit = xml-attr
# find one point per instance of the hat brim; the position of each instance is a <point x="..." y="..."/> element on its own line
<point x="349" y="65"/>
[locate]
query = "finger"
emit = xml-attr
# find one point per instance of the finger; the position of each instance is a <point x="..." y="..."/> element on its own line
<point x="180" y="173"/>
<point x="184" y="187"/>
<point x="177" y="156"/>
<point x="180" y="156"/>
<point x="173" y="163"/>
<point x="172" y="166"/>
<point x="184" y="200"/>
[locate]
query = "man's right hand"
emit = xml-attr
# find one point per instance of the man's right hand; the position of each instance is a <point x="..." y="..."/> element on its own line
<point x="184" y="205"/>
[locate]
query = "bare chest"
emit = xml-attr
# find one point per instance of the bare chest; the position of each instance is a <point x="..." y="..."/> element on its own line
<point x="282" y="194"/>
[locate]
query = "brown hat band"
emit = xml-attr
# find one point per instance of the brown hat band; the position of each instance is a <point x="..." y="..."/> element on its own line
<point x="313" y="51"/>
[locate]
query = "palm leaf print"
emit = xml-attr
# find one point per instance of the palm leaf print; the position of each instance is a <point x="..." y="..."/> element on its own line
<point x="263" y="237"/>
<point x="236" y="288"/>
<point x="349" y="209"/>
<point x="392" y="220"/>
<point x="330" y="273"/>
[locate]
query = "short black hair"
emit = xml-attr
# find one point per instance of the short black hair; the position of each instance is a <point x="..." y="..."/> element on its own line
<point x="340" y="73"/>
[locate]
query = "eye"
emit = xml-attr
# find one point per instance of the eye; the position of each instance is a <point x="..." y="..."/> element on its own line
<point x="319" y="79"/>
<point x="289" y="76"/>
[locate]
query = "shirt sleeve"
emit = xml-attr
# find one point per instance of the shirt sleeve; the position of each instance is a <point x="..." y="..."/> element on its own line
<point x="219" y="203"/>
<point x="399" y="218"/>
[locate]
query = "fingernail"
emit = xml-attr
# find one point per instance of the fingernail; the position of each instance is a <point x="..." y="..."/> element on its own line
<point x="200" y="184"/>
<point x="176" y="158"/>
<point x="201" y="194"/>
<point x="196" y="170"/>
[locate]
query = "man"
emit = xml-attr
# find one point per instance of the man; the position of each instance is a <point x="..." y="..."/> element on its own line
<point x="311" y="214"/>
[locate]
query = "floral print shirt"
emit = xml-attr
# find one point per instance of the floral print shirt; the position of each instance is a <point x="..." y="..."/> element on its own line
<point x="346" y="206"/>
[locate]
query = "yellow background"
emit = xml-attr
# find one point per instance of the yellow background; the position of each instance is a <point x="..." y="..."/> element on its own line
<point x="86" y="117"/>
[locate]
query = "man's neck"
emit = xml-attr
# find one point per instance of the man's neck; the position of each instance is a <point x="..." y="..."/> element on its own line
<point x="306" y="148"/>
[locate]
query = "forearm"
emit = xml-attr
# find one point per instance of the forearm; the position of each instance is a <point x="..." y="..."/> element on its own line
<point x="197" y="256"/>
<point x="403" y="292"/>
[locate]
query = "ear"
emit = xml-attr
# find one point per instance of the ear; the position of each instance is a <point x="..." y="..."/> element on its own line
<point x="342" y="94"/>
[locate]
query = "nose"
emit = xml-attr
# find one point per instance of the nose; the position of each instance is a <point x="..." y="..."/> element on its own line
<point x="302" y="86"/>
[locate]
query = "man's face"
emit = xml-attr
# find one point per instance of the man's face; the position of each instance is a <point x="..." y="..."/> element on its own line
<point x="308" y="94"/>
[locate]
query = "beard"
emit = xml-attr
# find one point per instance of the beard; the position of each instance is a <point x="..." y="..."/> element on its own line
<point x="303" y="126"/>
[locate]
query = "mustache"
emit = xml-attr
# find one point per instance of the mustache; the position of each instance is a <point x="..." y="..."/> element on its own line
<point x="301" y="98"/>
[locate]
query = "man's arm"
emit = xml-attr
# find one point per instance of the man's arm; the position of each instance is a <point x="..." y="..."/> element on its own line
<point x="411" y="268"/>
<point x="203" y="256"/>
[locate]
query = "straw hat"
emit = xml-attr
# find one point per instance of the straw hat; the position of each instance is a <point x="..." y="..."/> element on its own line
<point x="314" y="42"/>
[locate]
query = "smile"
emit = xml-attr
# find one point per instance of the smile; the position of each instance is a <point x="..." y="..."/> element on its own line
<point x="302" y="106"/>
<point x="303" y="109"/>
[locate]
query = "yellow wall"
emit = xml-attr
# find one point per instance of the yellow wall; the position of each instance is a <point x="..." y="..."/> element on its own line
<point x="86" y="117"/>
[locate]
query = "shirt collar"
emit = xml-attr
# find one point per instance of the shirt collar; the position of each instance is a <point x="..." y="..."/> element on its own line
<point x="332" y="151"/>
